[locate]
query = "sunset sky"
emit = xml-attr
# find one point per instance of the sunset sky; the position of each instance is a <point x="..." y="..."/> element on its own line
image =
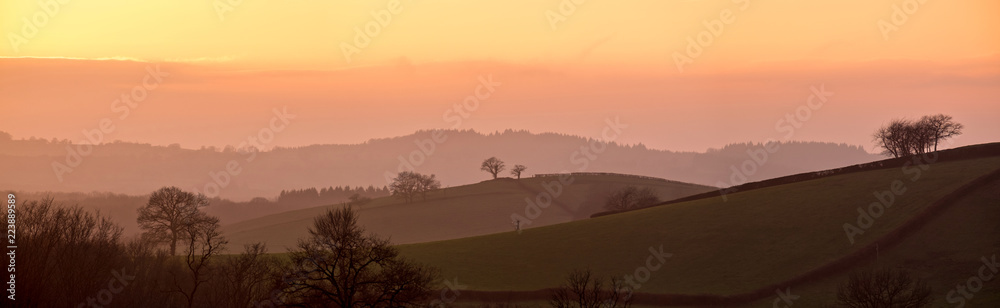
<point x="560" y="67"/>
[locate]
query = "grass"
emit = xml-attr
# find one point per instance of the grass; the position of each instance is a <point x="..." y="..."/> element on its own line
<point x="757" y="238"/>
<point x="457" y="212"/>
<point x="944" y="253"/>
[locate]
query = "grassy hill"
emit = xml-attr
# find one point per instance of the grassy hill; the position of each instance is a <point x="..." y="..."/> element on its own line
<point x="462" y="211"/>
<point x="756" y="239"/>
<point x="946" y="252"/>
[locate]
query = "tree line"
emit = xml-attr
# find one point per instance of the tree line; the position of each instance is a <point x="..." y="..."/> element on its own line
<point x="330" y="195"/>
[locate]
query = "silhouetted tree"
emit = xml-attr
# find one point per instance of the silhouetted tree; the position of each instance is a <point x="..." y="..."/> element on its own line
<point x="631" y="197"/>
<point x="583" y="290"/>
<point x="77" y="258"/>
<point x="204" y="241"/>
<point x="427" y="183"/>
<point x="883" y="288"/>
<point x="493" y="166"/>
<point x="516" y="171"/>
<point x="172" y="214"/>
<point x="405" y="185"/>
<point x="247" y="279"/>
<point x="65" y="242"/>
<point x="409" y="184"/>
<point x="902" y="137"/>
<point x="341" y="266"/>
<point x="941" y="127"/>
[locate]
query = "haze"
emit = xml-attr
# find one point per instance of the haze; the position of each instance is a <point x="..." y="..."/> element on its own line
<point x="602" y="60"/>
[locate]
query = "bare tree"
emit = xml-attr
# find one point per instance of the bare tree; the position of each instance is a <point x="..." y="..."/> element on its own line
<point x="889" y="288"/>
<point x="170" y="214"/>
<point x="941" y="127"/>
<point x="896" y="138"/>
<point x="409" y="184"/>
<point x="493" y="166"/>
<point x="406" y="185"/>
<point x="583" y="290"/>
<point x="517" y="170"/>
<point x="68" y="248"/>
<point x="631" y="197"/>
<point x="204" y="241"/>
<point x="75" y="253"/>
<point x="246" y="279"/>
<point x="340" y="265"/>
<point x="902" y="137"/>
<point x="427" y="183"/>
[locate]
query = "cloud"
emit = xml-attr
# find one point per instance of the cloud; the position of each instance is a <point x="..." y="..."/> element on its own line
<point x="115" y="58"/>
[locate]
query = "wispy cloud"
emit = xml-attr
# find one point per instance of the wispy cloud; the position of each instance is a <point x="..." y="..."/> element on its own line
<point x="115" y="58"/>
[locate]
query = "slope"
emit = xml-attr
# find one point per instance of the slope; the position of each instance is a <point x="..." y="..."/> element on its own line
<point x="464" y="211"/>
<point x="757" y="238"/>
<point x="947" y="252"/>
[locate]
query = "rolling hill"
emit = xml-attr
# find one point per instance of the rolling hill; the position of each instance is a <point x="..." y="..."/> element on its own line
<point x="464" y="211"/>
<point x="939" y="222"/>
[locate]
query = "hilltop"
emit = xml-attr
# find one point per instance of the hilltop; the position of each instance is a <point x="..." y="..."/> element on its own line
<point x="464" y="211"/>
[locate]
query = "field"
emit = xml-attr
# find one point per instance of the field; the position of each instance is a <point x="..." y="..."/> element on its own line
<point x="756" y="239"/>
<point x="462" y="211"/>
<point x="945" y="253"/>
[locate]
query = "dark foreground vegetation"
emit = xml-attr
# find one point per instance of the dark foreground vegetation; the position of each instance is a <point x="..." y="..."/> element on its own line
<point x="80" y="259"/>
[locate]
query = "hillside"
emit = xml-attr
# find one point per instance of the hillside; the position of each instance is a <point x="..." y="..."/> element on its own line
<point x="946" y="252"/>
<point x="463" y="211"/>
<point x="756" y="240"/>
<point x="126" y="168"/>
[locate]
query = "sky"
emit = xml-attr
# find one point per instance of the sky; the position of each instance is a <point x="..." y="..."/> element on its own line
<point x="683" y="75"/>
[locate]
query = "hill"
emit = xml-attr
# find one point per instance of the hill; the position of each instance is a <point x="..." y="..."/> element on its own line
<point x="744" y="248"/>
<point x="126" y="168"/>
<point x="946" y="252"/>
<point x="464" y="211"/>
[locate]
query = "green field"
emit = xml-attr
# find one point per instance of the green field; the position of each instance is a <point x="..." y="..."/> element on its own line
<point x="945" y="253"/>
<point x="462" y="211"/>
<point x="756" y="238"/>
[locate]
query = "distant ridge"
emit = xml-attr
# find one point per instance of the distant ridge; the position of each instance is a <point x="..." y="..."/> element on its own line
<point x="123" y="167"/>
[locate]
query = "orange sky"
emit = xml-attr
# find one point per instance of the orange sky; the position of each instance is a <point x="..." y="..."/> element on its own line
<point x="231" y="65"/>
